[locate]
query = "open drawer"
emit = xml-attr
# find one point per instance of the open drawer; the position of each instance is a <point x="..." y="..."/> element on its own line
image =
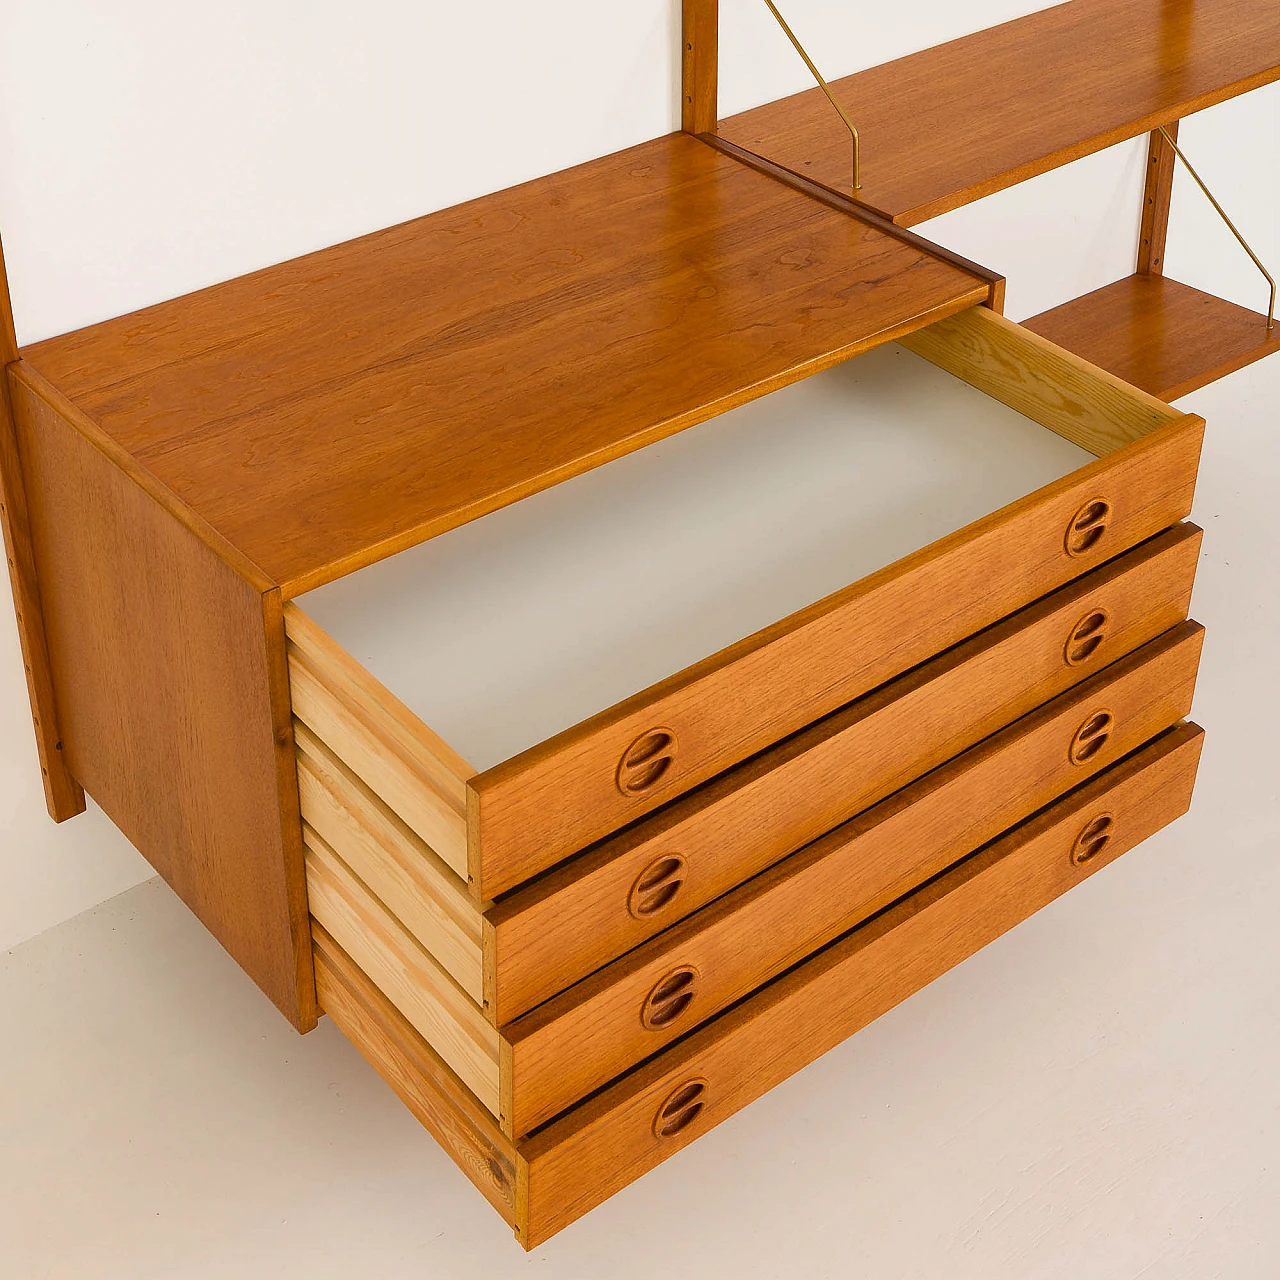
<point x="821" y="716"/>
<point x="882" y="510"/>
<point x="542" y="1183"/>
<point x="528" y="1071"/>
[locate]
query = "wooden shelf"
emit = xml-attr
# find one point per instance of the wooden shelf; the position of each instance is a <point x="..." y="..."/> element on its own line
<point x="331" y="411"/>
<point x="1165" y="337"/>
<point x="944" y="127"/>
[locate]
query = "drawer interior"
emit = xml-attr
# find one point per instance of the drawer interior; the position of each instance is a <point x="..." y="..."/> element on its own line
<point x="540" y="678"/>
<point x="509" y="630"/>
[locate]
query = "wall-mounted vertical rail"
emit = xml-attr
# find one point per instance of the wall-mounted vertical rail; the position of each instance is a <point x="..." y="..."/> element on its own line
<point x="700" y="105"/>
<point x="1161" y="160"/>
<point x="62" y="792"/>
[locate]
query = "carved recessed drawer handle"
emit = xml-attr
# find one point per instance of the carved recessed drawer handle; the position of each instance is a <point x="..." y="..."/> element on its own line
<point x="681" y="1109"/>
<point x="669" y="999"/>
<point x="1091" y="737"/>
<point x="1093" y="839"/>
<point x="1088" y="526"/>
<point x="1087" y="637"/>
<point x="646" y="762"/>
<point x="656" y="886"/>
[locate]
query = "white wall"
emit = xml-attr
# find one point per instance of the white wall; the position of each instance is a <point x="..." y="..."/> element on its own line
<point x="148" y="148"/>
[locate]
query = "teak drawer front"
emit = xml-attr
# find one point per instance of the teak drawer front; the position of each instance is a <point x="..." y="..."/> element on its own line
<point x="541" y="806"/>
<point x="596" y="1030"/>
<point x="573" y="1164"/>
<point x="545" y="937"/>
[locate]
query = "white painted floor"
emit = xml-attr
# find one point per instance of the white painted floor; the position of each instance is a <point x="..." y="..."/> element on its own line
<point x="1095" y="1096"/>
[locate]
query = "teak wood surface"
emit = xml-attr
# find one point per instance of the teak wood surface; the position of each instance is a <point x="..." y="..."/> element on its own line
<point x="63" y="794"/>
<point x="575" y="1163"/>
<point x="1157" y="198"/>
<point x="593" y="1032"/>
<point x="1158" y="334"/>
<point x="567" y="924"/>
<point x="545" y="1063"/>
<point x="959" y="121"/>
<point x="333" y="410"/>
<point x="836" y="200"/>
<point x="549" y="802"/>
<point x="168" y="668"/>
<point x="572" y="1165"/>
<point x="700" y="66"/>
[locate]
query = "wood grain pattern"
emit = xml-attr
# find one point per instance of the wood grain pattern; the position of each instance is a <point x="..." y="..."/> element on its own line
<point x="428" y="899"/>
<point x="700" y="103"/>
<point x="62" y="793"/>
<point x="412" y="770"/>
<point x="577" y="1162"/>
<point x="959" y="121"/>
<point x="328" y="412"/>
<point x="1156" y="200"/>
<point x="1079" y="401"/>
<point x="593" y="1032"/>
<point x="168" y="673"/>
<point x="547" y="803"/>
<point x="421" y="1079"/>
<point x="837" y="200"/>
<point x="569" y="923"/>
<point x="1160" y="335"/>
<point x="450" y="1022"/>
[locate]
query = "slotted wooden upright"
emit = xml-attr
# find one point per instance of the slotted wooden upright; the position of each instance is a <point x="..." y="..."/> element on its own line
<point x="572" y="962"/>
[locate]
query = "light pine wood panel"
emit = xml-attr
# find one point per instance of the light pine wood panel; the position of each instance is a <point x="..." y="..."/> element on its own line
<point x="412" y="770"/>
<point x="62" y="792"/>
<point x="420" y="1077"/>
<point x="599" y="1028"/>
<point x="1080" y="402"/>
<point x="577" y="918"/>
<point x="167" y="657"/>
<point x="541" y="806"/>
<point x="451" y="1023"/>
<point x="428" y="899"/>
<point x="956" y="122"/>
<point x="330" y="411"/>
<point x="575" y="1163"/>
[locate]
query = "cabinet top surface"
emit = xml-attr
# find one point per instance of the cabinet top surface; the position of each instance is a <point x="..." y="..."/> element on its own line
<point x="959" y="121"/>
<point x="330" y="411"/>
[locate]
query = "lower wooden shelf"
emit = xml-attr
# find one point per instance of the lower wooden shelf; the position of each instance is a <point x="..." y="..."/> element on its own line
<point x="1157" y="334"/>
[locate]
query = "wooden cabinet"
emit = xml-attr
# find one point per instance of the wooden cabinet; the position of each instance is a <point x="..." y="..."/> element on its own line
<point x="567" y="642"/>
<point x="858" y="748"/>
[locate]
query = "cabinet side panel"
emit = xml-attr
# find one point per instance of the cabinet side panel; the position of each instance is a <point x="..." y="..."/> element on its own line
<point x="169" y="676"/>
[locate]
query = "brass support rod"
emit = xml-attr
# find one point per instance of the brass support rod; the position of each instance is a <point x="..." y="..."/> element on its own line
<point x="831" y="98"/>
<point x="1222" y="213"/>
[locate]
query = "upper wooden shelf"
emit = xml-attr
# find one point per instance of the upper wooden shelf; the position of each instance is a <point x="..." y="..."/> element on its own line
<point x="333" y="410"/>
<point x="944" y="127"/>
